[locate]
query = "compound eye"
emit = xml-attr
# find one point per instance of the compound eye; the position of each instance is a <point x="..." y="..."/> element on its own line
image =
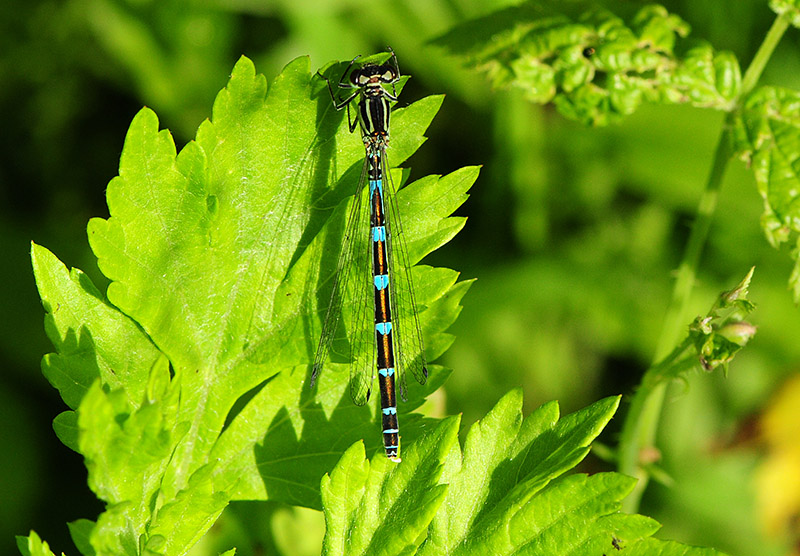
<point x="357" y="78"/>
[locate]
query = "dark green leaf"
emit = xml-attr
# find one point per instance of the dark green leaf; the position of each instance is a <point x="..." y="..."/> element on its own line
<point x="766" y="135"/>
<point x="594" y="66"/>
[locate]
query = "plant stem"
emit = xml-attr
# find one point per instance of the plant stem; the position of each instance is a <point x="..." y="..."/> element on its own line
<point x="641" y="423"/>
<point x="771" y="40"/>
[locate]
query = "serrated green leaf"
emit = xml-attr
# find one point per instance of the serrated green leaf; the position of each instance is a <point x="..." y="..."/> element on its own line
<point x="127" y="452"/>
<point x="183" y="521"/>
<point x="506" y="462"/>
<point x="218" y="258"/>
<point x="433" y="199"/>
<point x="33" y="545"/>
<point x="341" y="493"/>
<point x="126" y="449"/>
<point x="506" y="496"/>
<point x="411" y="123"/>
<point x="380" y="507"/>
<point x="565" y="518"/>
<point x="93" y="340"/>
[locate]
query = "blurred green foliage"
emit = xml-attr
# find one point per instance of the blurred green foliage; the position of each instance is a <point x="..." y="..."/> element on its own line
<point x="573" y="232"/>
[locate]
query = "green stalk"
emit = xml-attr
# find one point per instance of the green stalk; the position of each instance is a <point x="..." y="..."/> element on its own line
<point x="641" y="424"/>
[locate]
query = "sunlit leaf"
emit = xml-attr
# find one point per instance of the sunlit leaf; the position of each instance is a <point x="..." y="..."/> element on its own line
<point x="188" y="376"/>
<point x="379" y="507"/>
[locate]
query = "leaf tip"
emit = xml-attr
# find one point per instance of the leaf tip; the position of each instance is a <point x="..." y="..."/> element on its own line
<point x="244" y="66"/>
<point x="145" y="118"/>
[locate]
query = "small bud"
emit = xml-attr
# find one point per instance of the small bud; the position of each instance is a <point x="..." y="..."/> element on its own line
<point x="738" y="332"/>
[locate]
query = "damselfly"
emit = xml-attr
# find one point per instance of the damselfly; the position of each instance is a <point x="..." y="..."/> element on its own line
<point x="373" y="273"/>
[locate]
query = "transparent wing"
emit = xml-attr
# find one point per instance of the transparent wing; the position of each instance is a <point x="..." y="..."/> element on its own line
<point x="408" y="344"/>
<point x="359" y="304"/>
<point x="351" y="303"/>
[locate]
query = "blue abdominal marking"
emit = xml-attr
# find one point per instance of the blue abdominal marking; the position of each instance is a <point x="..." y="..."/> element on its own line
<point x="381" y="281"/>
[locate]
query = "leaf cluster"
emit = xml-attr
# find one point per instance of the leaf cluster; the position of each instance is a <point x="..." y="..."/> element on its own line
<point x="595" y="67"/>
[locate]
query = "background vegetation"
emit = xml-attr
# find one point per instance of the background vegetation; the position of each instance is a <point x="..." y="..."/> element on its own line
<point x="573" y="235"/>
